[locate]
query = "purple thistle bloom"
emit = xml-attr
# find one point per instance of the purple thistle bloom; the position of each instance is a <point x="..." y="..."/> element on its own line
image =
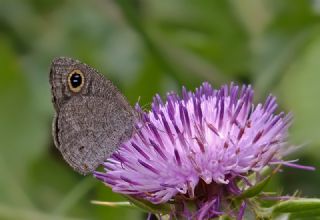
<point x="195" y="149"/>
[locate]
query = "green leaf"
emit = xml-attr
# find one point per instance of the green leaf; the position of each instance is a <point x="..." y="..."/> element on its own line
<point x="306" y="214"/>
<point x="255" y="190"/>
<point x="258" y="187"/>
<point x="297" y="205"/>
<point x="149" y="207"/>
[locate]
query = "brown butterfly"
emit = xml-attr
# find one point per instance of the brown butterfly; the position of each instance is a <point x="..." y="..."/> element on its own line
<point x="92" y="117"/>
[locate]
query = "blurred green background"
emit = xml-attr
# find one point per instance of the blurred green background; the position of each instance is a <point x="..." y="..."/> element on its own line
<point x="145" y="47"/>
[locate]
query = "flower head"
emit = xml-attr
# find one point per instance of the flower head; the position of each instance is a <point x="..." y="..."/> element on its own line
<point x="194" y="149"/>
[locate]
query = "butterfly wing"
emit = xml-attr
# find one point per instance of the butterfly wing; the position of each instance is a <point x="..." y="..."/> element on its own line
<point x="91" y="123"/>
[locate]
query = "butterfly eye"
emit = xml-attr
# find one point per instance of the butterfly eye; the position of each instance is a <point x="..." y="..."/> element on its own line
<point x="75" y="80"/>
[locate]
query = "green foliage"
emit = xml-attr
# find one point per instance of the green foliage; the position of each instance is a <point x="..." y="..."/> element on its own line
<point x="299" y="208"/>
<point x="297" y="205"/>
<point x="256" y="189"/>
<point x="147" y="206"/>
<point x="145" y="47"/>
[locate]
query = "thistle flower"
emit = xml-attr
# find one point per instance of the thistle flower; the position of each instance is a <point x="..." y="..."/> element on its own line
<point x="193" y="151"/>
